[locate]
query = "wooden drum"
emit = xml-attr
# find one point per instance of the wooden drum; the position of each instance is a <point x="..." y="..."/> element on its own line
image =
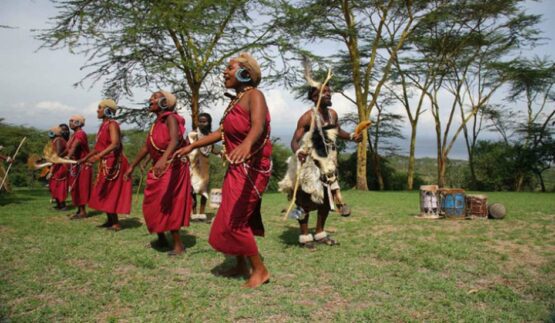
<point x="452" y="203"/>
<point x="429" y="201"/>
<point x="215" y="198"/>
<point x="477" y="206"/>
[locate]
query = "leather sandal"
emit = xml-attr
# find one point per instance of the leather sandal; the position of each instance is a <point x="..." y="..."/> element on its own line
<point x="327" y="240"/>
<point x="344" y="210"/>
<point x="308" y="245"/>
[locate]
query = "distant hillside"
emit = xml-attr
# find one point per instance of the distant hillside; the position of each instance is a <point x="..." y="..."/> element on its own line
<point x="457" y="171"/>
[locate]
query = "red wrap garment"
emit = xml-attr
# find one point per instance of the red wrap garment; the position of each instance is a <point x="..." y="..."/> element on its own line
<point x="238" y="218"/>
<point x="80" y="176"/>
<point x="58" y="183"/>
<point x="167" y="199"/>
<point x="111" y="193"/>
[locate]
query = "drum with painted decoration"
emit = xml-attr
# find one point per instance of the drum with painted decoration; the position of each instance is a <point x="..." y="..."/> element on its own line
<point x="452" y="203"/>
<point x="429" y="200"/>
<point x="215" y="198"/>
<point x="477" y="206"/>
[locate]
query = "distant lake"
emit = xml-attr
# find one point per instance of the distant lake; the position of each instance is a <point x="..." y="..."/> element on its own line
<point x="425" y="145"/>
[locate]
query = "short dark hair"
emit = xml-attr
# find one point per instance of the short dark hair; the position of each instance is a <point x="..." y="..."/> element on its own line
<point x="208" y="117"/>
<point x="65" y="135"/>
<point x="313" y="89"/>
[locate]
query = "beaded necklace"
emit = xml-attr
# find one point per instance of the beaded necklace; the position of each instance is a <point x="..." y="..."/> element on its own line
<point x="231" y="105"/>
<point x="151" y="138"/>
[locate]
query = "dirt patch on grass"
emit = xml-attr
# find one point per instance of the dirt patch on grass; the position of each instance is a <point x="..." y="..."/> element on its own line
<point x="332" y="301"/>
<point x="380" y="230"/>
<point x="520" y="255"/>
<point x="271" y="318"/>
<point x="4" y="229"/>
<point x="83" y="264"/>
<point x="114" y="312"/>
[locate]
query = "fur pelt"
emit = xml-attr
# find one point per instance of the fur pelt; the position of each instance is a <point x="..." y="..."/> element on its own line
<point x="318" y="165"/>
<point x="200" y="168"/>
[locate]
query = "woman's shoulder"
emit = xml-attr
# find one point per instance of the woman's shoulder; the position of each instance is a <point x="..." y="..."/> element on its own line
<point x="255" y="97"/>
<point x="113" y="123"/>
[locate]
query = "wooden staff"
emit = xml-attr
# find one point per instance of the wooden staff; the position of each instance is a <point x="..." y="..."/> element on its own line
<point x="10" y="165"/>
<point x="141" y="167"/>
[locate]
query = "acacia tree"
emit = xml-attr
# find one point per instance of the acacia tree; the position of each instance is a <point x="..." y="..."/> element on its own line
<point x="532" y="82"/>
<point x="456" y="52"/>
<point x="359" y="26"/>
<point x="149" y="44"/>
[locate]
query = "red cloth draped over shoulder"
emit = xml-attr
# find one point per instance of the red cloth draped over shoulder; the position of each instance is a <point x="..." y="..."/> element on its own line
<point x="80" y="176"/>
<point x="167" y="199"/>
<point x="238" y="218"/>
<point x="58" y="183"/>
<point x="111" y="192"/>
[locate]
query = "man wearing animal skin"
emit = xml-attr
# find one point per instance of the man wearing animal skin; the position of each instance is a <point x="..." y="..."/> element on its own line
<point x="200" y="165"/>
<point x="325" y="131"/>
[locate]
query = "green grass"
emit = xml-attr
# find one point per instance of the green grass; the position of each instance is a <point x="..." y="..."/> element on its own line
<point x="389" y="267"/>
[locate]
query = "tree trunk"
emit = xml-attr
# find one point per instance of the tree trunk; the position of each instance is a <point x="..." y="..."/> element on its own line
<point x="519" y="182"/>
<point x="441" y="169"/>
<point x="195" y="106"/>
<point x="378" y="170"/>
<point x="542" y="183"/>
<point x="470" y="151"/>
<point x="412" y="161"/>
<point x="362" y="183"/>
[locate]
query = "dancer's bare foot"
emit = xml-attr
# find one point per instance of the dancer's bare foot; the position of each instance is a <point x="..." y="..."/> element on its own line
<point x="258" y="278"/>
<point x="178" y="249"/>
<point x="78" y="216"/>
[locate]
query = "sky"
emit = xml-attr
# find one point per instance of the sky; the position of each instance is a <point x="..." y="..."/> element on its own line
<point x="37" y="85"/>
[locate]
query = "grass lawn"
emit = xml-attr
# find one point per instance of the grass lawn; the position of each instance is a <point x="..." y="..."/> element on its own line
<point x="389" y="266"/>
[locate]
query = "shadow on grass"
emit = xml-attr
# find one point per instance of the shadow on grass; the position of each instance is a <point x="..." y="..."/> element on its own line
<point x="290" y="236"/>
<point x="18" y="197"/>
<point x="189" y="241"/>
<point x="130" y="223"/>
<point x="226" y="265"/>
<point x="93" y="213"/>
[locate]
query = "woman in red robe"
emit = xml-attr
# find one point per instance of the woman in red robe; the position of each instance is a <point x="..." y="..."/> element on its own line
<point x="58" y="182"/>
<point x="167" y="196"/>
<point x="80" y="175"/>
<point x="245" y="130"/>
<point x="111" y="192"/>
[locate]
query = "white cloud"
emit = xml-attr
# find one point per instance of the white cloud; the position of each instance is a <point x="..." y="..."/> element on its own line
<point x="54" y="106"/>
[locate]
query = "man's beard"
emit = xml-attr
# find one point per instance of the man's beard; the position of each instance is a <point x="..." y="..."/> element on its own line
<point x="325" y="105"/>
<point x="204" y="130"/>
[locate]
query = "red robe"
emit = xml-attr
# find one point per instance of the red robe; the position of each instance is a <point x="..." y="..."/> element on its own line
<point x="59" y="180"/>
<point x="111" y="193"/>
<point x="80" y="176"/>
<point x="238" y="218"/>
<point x="167" y="199"/>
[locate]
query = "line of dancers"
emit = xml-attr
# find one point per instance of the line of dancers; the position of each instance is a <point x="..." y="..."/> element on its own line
<point x="168" y="196"/>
